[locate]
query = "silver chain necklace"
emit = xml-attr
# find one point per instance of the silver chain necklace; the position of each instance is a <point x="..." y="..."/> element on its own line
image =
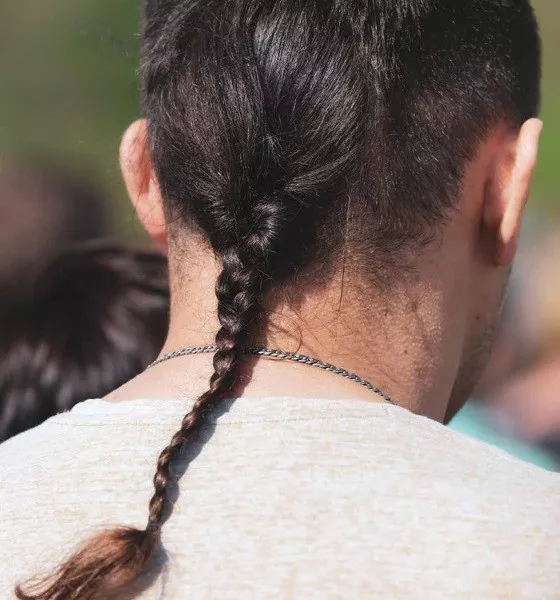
<point x="278" y="354"/>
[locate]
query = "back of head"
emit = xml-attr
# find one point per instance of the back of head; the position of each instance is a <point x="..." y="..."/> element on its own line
<point x="310" y="103"/>
<point x="293" y="135"/>
<point x="95" y="318"/>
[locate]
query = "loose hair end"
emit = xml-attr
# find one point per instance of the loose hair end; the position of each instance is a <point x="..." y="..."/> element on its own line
<point x="107" y="563"/>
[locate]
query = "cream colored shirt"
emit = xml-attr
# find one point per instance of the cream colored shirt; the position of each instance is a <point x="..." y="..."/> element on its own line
<point x="289" y="499"/>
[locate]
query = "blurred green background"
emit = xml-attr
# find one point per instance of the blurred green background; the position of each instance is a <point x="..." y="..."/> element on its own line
<point x="68" y="89"/>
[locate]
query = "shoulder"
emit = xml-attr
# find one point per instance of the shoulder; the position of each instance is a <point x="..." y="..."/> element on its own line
<point x="68" y="453"/>
<point x="489" y="497"/>
<point x="467" y="473"/>
<point x="30" y="465"/>
<point x="482" y="513"/>
<point x="34" y="446"/>
<point x="56" y="487"/>
<point x="43" y="447"/>
<point x="474" y="458"/>
<point x="69" y="458"/>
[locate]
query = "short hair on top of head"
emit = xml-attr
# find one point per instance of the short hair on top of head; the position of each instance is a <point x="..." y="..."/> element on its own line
<point x="283" y="130"/>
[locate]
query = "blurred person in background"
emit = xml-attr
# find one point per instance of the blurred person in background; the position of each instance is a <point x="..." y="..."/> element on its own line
<point x="527" y="404"/>
<point x="95" y="317"/>
<point x="344" y="181"/>
<point x="44" y="208"/>
<point x="504" y="411"/>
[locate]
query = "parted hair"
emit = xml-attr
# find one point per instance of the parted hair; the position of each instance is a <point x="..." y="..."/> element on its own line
<point x="285" y="130"/>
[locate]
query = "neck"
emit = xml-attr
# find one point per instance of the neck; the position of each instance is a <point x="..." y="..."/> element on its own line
<point x="398" y="343"/>
<point x="407" y="340"/>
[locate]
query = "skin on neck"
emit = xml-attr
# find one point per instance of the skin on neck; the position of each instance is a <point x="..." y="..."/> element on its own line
<point x="405" y="341"/>
<point x="423" y="340"/>
<point x="399" y="342"/>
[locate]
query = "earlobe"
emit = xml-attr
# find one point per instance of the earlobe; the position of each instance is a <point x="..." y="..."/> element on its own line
<point x="512" y="192"/>
<point x="141" y="183"/>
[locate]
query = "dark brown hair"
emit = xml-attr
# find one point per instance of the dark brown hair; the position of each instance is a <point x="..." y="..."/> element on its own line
<point x="95" y="317"/>
<point x="284" y="129"/>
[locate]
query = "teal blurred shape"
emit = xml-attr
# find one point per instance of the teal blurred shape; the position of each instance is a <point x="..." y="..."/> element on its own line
<point x="476" y="422"/>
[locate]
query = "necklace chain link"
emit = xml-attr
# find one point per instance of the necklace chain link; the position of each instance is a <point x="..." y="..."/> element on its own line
<point x="278" y="354"/>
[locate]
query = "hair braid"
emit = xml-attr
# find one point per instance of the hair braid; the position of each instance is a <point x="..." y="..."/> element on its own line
<point x="88" y="574"/>
<point x="237" y="290"/>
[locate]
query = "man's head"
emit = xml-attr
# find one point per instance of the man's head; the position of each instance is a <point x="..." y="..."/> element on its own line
<point x="391" y="140"/>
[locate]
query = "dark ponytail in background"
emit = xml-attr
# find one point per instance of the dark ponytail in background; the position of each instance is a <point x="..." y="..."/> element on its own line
<point x="293" y="135"/>
<point x="95" y="317"/>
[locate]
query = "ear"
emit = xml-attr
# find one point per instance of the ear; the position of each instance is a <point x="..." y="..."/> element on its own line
<point x="141" y="182"/>
<point x="508" y="192"/>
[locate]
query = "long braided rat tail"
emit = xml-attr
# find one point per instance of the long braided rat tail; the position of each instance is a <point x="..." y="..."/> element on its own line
<point x="238" y="290"/>
<point x="114" y="559"/>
